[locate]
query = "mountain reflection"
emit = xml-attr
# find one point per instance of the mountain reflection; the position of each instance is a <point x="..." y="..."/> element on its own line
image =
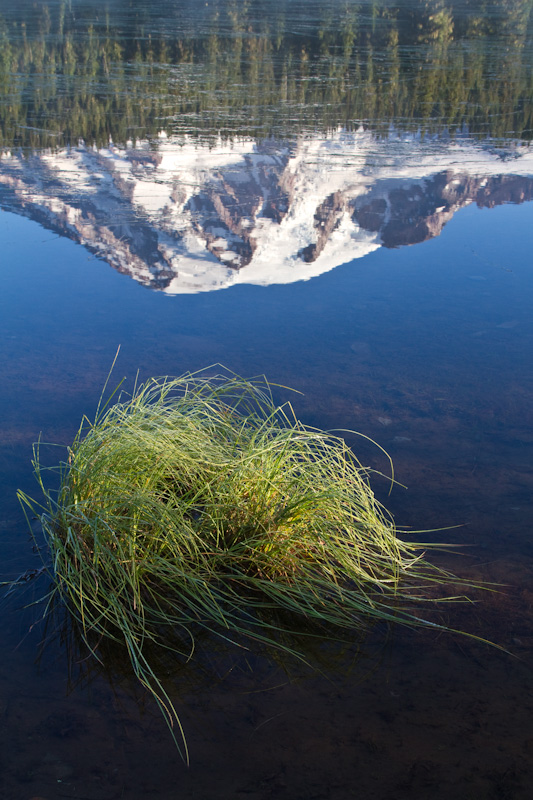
<point x="260" y="141"/>
<point x="180" y="216"/>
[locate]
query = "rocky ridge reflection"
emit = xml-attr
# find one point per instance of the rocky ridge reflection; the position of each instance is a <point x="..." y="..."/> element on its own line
<point x="183" y="217"/>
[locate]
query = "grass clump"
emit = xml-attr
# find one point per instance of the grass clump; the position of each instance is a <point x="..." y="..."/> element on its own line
<point x="198" y="504"/>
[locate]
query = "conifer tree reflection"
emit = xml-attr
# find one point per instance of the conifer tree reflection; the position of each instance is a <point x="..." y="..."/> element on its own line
<point x="71" y="70"/>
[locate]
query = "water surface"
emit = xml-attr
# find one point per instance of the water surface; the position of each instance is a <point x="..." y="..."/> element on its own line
<point x="339" y="199"/>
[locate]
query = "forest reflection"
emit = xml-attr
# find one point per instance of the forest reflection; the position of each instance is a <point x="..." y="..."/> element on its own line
<point x="74" y="70"/>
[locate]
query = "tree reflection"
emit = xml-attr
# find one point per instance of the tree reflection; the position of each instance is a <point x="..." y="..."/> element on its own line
<point x="68" y="71"/>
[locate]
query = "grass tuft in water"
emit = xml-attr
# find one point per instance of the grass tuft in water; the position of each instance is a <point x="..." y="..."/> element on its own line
<point x="197" y="504"/>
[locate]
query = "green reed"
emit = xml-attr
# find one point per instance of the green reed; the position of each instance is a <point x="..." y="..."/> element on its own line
<point x="198" y="504"/>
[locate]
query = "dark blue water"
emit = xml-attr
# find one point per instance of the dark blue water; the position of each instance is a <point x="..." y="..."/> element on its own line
<point x="423" y="344"/>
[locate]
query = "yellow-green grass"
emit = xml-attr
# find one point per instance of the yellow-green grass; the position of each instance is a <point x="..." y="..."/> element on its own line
<point x="198" y="504"/>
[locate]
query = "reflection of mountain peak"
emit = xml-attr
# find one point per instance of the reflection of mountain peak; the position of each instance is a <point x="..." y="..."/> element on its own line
<point x="417" y="213"/>
<point x="184" y="217"/>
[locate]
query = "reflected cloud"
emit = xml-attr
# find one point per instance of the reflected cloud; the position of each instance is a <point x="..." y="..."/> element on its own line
<point x="180" y="216"/>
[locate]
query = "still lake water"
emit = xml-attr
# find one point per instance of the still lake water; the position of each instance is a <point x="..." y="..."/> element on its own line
<point x="336" y="195"/>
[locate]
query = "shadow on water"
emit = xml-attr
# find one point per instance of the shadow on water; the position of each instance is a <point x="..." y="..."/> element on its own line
<point x="389" y="712"/>
<point x="233" y="689"/>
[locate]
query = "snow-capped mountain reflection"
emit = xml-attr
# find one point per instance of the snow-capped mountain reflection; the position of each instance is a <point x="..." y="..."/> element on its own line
<point x="182" y="216"/>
